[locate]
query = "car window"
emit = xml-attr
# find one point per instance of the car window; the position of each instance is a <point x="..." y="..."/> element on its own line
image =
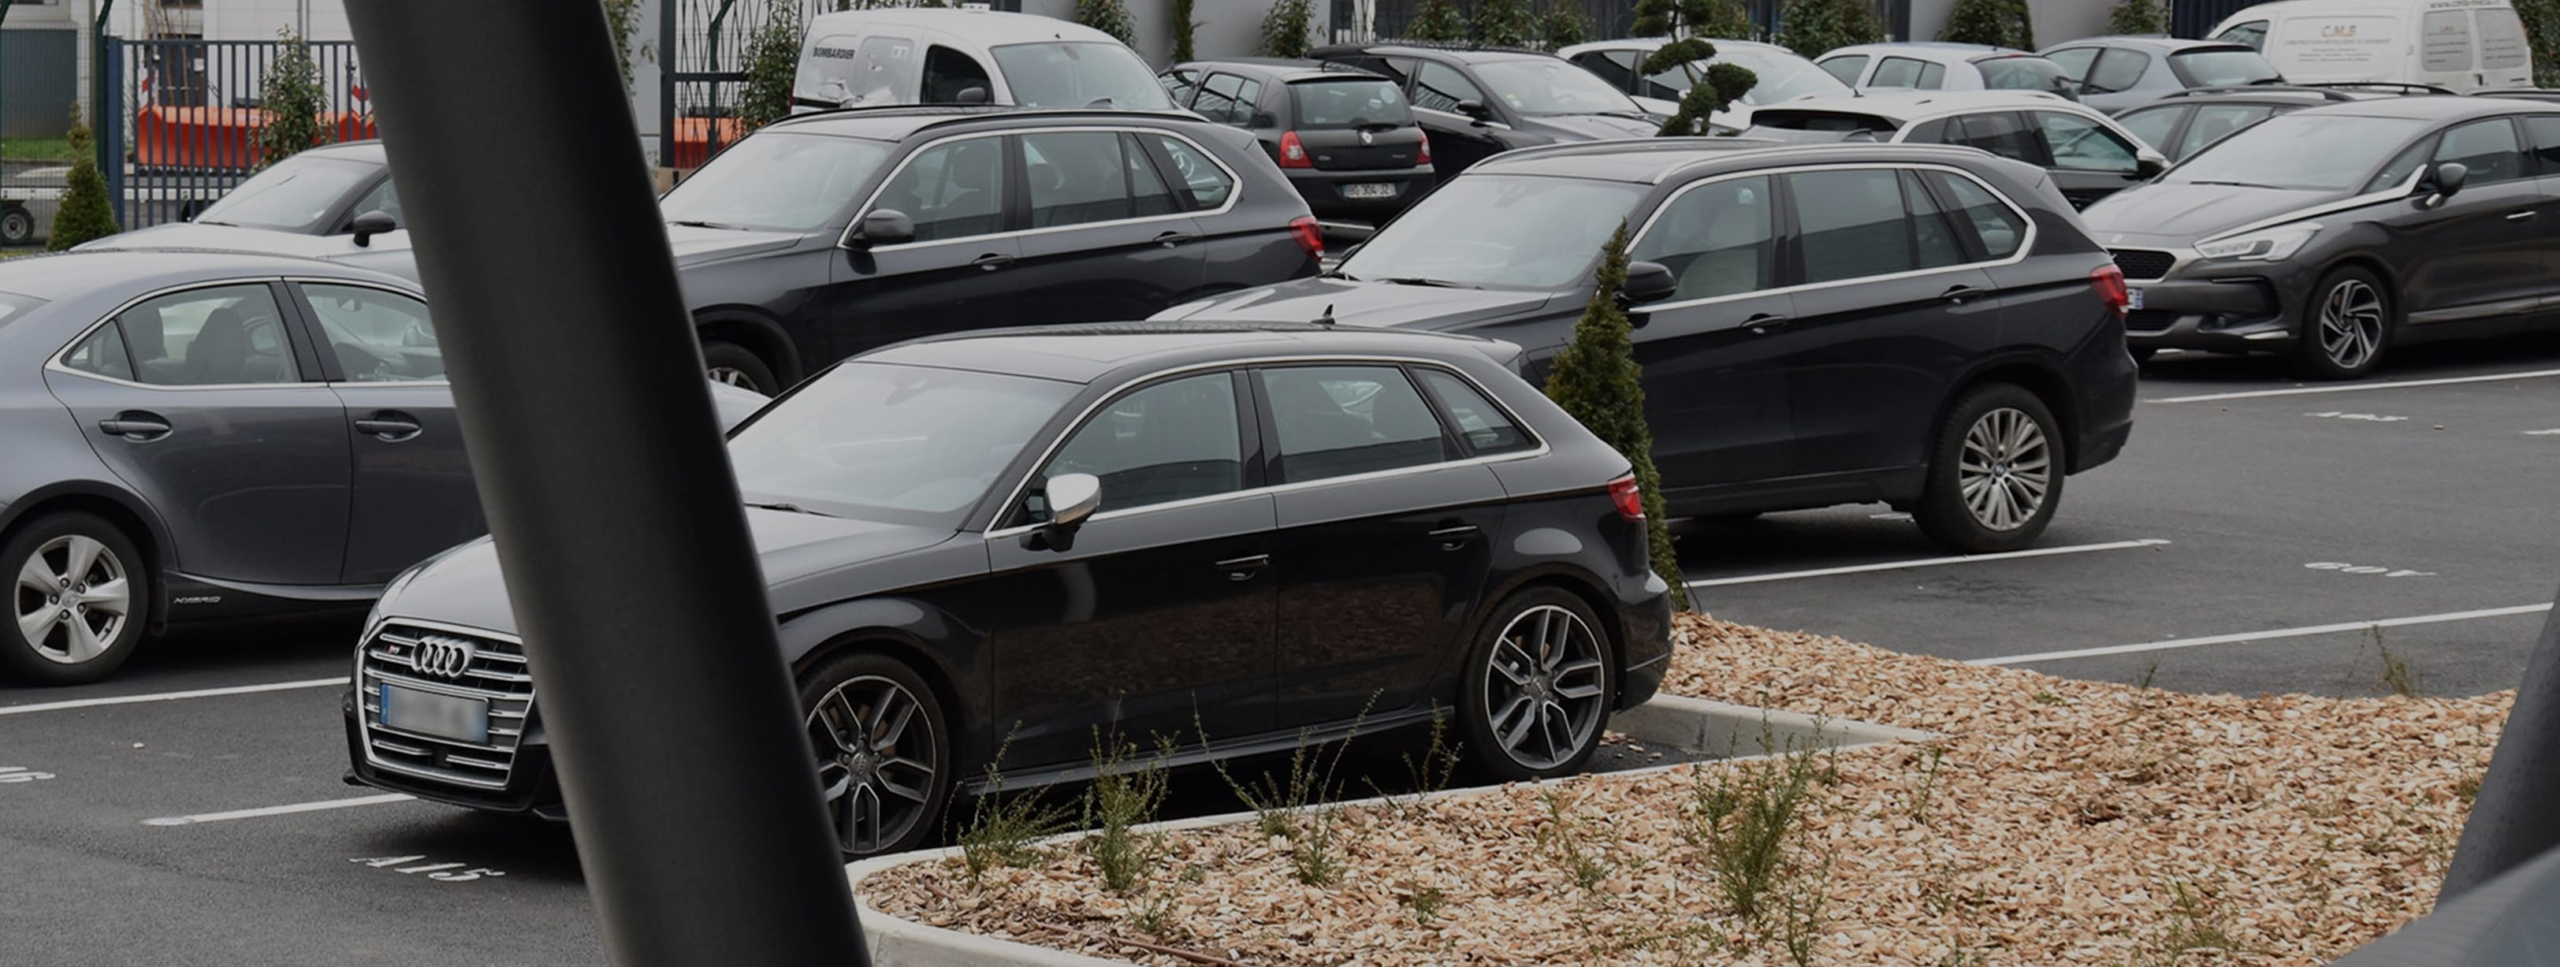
<point x="1174" y="440"/>
<point x="2153" y="124"/>
<point x="1618" y="67"/>
<point x="950" y="190"/>
<point x="2544" y="131"/>
<point x="2002" y="133"/>
<point x="1248" y="97"/>
<point x="2215" y="122"/>
<point x="1933" y="238"/>
<point x="1208" y="185"/>
<point x="1850" y="223"/>
<point x="1486" y="428"/>
<point x="1783" y="76"/>
<point x="947" y="72"/>
<point x="2503" y="42"/>
<point x="1217" y="100"/>
<point x="1995" y="224"/>
<point x="2221" y="68"/>
<point x="2017" y="73"/>
<point x="2397" y="171"/>
<point x="223" y="335"/>
<point x="1079" y="74"/>
<point x="2074" y="60"/>
<point x="1335" y="421"/>
<point x="1542" y="86"/>
<point x="1397" y="69"/>
<point x="377" y="336"/>
<point x="1076" y="177"/>
<point x="2487" y="148"/>
<point x="2081" y="144"/>
<point x="2445" y="42"/>
<point x="1716" y="239"/>
<point x="905" y="444"/>
<point x="383" y="198"/>
<point x="884" y="71"/>
<point x="1846" y="68"/>
<point x="1499" y="230"/>
<point x="1348" y="103"/>
<point x="778" y="181"/>
<point x="1180" y="83"/>
<point x="2253" y="33"/>
<point x="293" y="195"/>
<point x="1439" y="87"/>
<point x="1933" y="77"/>
<point x="2118" y="69"/>
<point x="102" y="354"/>
<point x="1897" y="72"/>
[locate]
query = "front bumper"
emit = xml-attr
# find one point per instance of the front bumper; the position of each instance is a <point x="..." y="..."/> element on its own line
<point x="1323" y="190"/>
<point x="2223" y="307"/>
<point x="531" y="786"/>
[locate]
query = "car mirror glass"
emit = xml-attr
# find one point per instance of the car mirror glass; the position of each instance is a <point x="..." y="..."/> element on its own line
<point x="884" y="226"/>
<point x="374" y="223"/>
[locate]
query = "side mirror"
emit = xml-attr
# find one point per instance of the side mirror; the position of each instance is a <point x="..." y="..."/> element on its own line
<point x="374" y="223"/>
<point x="2149" y="164"/>
<point x="1647" y="282"/>
<point x="972" y="95"/>
<point x="883" y="226"/>
<point x="2448" y="179"/>
<point x="1476" y="110"/>
<point x="1072" y="498"/>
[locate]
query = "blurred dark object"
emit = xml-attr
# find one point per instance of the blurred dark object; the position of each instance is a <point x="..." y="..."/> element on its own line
<point x="2517" y="814"/>
<point x="2511" y="921"/>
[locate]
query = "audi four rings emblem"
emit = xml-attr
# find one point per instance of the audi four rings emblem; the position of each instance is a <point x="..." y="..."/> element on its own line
<point x="440" y="657"/>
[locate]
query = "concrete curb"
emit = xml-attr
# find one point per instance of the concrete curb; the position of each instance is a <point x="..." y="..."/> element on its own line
<point x="1689" y="724"/>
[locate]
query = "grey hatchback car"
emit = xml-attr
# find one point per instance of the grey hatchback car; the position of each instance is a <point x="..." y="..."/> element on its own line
<point x="195" y="435"/>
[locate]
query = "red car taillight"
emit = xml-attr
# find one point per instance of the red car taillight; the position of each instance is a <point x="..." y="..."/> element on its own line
<point x="2109" y="281"/>
<point x="1629" y="498"/>
<point x="1293" y="154"/>
<point x="1310" y="235"/>
<point x="1423" y="158"/>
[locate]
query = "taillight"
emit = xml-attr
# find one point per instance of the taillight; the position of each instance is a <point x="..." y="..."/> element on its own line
<point x="1309" y="234"/>
<point x="1629" y="498"/>
<point x="1425" y="157"/>
<point x="1293" y="154"/>
<point x="2109" y="281"/>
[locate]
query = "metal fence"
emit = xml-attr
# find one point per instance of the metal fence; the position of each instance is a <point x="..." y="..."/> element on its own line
<point x="1367" y="21"/>
<point x="189" y="114"/>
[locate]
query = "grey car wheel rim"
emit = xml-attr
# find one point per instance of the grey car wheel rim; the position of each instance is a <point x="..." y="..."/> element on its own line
<point x="72" y="599"/>
<point x="2006" y="469"/>
<point x="2351" y="323"/>
<point x="1543" y="687"/>
<point x="876" y="749"/>
<point x="734" y="376"/>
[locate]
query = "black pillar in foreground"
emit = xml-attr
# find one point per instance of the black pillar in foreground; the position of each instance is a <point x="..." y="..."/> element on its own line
<point x="673" y="722"/>
<point x="2517" y="813"/>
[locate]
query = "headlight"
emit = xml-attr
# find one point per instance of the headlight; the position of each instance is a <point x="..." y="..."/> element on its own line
<point x="2272" y="245"/>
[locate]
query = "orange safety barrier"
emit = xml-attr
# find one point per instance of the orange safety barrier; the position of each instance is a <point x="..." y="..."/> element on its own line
<point x="219" y="137"/>
<point x="694" y="138"/>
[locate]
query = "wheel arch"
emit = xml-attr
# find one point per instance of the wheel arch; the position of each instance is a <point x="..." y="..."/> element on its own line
<point x="900" y="630"/>
<point x="754" y="331"/>
<point x="2040" y="377"/>
<point x="127" y="512"/>
<point x="1571" y="579"/>
<point x="2358" y="260"/>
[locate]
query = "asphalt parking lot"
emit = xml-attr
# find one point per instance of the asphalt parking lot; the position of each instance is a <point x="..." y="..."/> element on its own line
<point x="2243" y="543"/>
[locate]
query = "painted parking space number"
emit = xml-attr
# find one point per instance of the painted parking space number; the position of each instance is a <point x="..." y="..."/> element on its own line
<point x="414" y="865"/>
<point x="2345" y="568"/>
<point x="9" y="774"/>
<point x="2363" y="417"/>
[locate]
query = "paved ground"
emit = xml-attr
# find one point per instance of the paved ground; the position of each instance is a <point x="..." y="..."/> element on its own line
<point x="2226" y="517"/>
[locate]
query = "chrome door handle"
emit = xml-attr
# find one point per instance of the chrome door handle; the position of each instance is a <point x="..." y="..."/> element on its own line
<point x="2525" y="215"/>
<point x="1456" y="536"/>
<point x="1961" y="293"/>
<point x="390" y="427"/>
<point x="1244" y="568"/>
<point x="1172" y="239"/>
<point x="992" y="261"/>
<point x="1765" y="321"/>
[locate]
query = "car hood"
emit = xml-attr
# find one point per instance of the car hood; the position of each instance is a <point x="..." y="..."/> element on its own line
<point x="1592" y="127"/>
<point x="695" y="245"/>
<point x="463" y="586"/>
<point x="1381" y="304"/>
<point x="2177" y="215"/>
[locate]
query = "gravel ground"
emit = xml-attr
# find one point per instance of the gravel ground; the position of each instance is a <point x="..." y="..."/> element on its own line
<point x="2059" y="821"/>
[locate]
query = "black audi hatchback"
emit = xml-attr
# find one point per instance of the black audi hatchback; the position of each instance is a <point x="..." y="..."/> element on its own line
<point x="1818" y="324"/>
<point x="1236" y="538"/>
<point x="1476" y="102"/>
<point x="1344" y="137"/>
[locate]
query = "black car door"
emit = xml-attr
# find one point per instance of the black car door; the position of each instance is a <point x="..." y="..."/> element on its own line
<point x="952" y="275"/>
<point x="2480" y="253"/>
<point x="1457" y="140"/>
<point x="1158" y="620"/>
<point x="1106" y="239"/>
<point x="2087" y="161"/>
<point x="207" y="402"/>
<point x="1384" y="542"/>
<point x="1713" y="353"/>
<point x="412" y="494"/>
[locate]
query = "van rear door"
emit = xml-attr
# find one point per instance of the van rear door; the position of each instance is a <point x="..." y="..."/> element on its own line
<point x="2506" y="56"/>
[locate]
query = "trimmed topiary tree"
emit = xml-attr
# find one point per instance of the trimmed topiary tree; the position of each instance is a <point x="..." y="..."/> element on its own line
<point x="1813" y="28"/>
<point x="2140" y="17"/>
<point x="1711" y="88"/>
<point x="1184" y="25"/>
<point x="1597" y="380"/>
<point x="773" y="61"/>
<point x="1437" y="21"/>
<point x="1110" y="17"/>
<point x="1722" y="20"/>
<point x="2542" y="30"/>
<point x="290" y="102"/>
<point x="1999" y="23"/>
<point x="1503" y="23"/>
<point x="85" y="213"/>
<point x="1288" y="30"/>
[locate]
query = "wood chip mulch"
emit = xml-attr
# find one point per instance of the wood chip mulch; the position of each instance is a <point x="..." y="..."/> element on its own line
<point x="2058" y="822"/>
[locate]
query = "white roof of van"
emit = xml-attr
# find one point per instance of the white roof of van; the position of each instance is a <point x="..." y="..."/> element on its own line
<point x="2353" y="6"/>
<point x="983" y="28"/>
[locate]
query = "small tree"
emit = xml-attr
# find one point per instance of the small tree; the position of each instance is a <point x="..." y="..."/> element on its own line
<point x="1288" y="29"/>
<point x="290" y="102"/>
<point x="2139" y="17"/>
<point x="85" y="213"/>
<point x="1722" y="20"/>
<point x="1563" y="24"/>
<point x="1813" y="28"/>
<point x="1597" y="380"/>
<point x="1502" y="23"/>
<point x="1993" y="22"/>
<point x="773" y="62"/>
<point x="1184" y="24"/>
<point x="1437" y="21"/>
<point x="1110" y="17"/>
<point x="1711" y="88"/>
<point x="622" y="20"/>
<point x="2542" y="31"/>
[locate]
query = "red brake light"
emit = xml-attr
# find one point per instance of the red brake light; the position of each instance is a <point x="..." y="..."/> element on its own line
<point x="1629" y="498"/>
<point x="1293" y="154"/>
<point x="1424" y="157"/>
<point x="1310" y="235"/>
<point x="2109" y="281"/>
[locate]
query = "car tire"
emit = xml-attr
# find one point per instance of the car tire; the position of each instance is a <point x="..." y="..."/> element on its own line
<point x="2346" y="326"/>
<point x="17" y="226"/>
<point x="1995" y="472"/>
<point x="86" y="623"/>
<point x="732" y="364"/>
<point x="1538" y="686"/>
<point x="884" y="751"/>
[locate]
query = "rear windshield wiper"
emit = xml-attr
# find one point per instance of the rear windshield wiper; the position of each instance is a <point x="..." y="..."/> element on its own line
<point x="787" y="507"/>
<point x="2241" y="184"/>
<point x="1339" y="274"/>
<point x="698" y="223"/>
<point x="1434" y="283"/>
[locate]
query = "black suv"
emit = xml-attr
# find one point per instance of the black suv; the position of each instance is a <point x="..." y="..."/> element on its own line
<point x="2335" y="233"/>
<point x="1344" y="137"/>
<point x="1818" y="324"/>
<point x="835" y="232"/>
<point x="1475" y="102"/>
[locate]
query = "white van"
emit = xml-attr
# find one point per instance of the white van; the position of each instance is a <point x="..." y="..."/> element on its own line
<point x="2463" y="45"/>
<point x="864" y="58"/>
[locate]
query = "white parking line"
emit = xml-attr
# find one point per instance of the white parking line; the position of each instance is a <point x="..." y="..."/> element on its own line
<point x="2357" y="387"/>
<point x="170" y="696"/>
<point x="1931" y="562"/>
<point x="2424" y="619"/>
<point x="300" y="807"/>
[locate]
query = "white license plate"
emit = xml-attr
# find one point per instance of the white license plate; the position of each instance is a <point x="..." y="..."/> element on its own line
<point x="443" y="716"/>
<point x="2133" y="298"/>
<point x="1387" y="190"/>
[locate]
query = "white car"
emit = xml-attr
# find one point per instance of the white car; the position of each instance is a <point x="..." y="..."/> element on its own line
<point x="2462" y="45"/>
<point x="1947" y="67"/>
<point x="2088" y="155"/>
<point x="935" y="55"/>
<point x="1783" y="76"/>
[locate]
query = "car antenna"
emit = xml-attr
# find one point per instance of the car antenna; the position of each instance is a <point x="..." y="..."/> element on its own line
<point x="1327" y="318"/>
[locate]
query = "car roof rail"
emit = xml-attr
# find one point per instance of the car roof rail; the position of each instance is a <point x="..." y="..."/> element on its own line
<point x="1630" y="145"/>
<point x="2322" y="91"/>
<point x="958" y="113"/>
<point x="2388" y="87"/>
<point x="1459" y="46"/>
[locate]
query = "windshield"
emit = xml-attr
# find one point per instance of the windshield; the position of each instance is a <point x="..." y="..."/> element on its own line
<point x="2315" y="152"/>
<point x="1546" y="86"/>
<point x="2021" y="74"/>
<point x="1498" y="230"/>
<point x="1080" y="74"/>
<point x="1350" y="104"/>
<point x="297" y="195"/>
<point x="898" y="444"/>
<point x="2221" y="68"/>
<point x="776" y="181"/>
<point x="1782" y="77"/>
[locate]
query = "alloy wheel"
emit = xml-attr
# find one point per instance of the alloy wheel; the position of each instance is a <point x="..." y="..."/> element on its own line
<point x="1543" y="687"/>
<point x="876" y="749"/>
<point x="2351" y="324"/>
<point x="2006" y="469"/>
<point x="71" y="599"/>
<point x="733" y="376"/>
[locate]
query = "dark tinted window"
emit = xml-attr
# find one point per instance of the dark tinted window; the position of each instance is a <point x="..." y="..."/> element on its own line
<point x="951" y="190"/>
<point x="2253" y="33"/>
<point x="1716" y="239"/>
<point x="1899" y="72"/>
<point x="1171" y="441"/>
<point x="1819" y="120"/>
<point x="1486" y="428"/>
<point x="2215" y="122"/>
<point x="2118" y="70"/>
<point x="2000" y="229"/>
<point x="382" y="198"/>
<point x="2081" y="144"/>
<point x="947" y="72"/>
<point x="377" y="336"/>
<point x="1396" y="70"/>
<point x="1335" y="421"/>
<point x="1440" y="88"/>
<point x="930" y="441"/>
<point x="2002" y="133"/>
<point x="2544" y="131"/>
<point x="223" y="335"/>
<point x="1933" y="239"/>
<point x="1089" y="176"/>
<point x="1618" y="67"/>
<point x="2220" y="68"/>
<point x="1349" y="103"/>
<point x="2021" y="74"/>
<point x="2397" y="171"/>
<point x="1180" y="83"/>
<point x="1851" y="224"/>
<point x="1202" y="179"/>
<point x="2488" y="148"/>
<point x="1223" y="98"/>
<point x="2153" y="124"/>
<point x="101" y="354"/>
<point x="2074" y="61"/>
<point x="1845" y="68"/>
